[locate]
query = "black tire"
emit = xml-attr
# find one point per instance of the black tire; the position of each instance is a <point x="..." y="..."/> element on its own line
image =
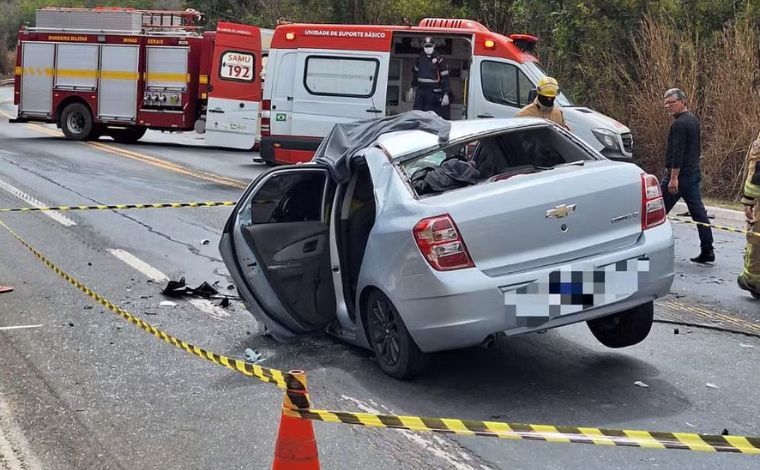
<point x="130" y="135"/>
<point x="76" y="122"/>
<point x="625" y="328"/>
<point x="396" y="351"/>
<point x="97" y="131"/>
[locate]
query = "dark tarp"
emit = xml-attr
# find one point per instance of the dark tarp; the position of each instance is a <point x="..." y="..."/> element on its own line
<point x="345" y="140"/>
<point x="452" y="174"/>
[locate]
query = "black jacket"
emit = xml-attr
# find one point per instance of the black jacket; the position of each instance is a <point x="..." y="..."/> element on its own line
<point x="683" y="143"/>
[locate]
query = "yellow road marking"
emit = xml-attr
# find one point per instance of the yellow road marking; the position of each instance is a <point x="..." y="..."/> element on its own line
<point x="166" y="165"/>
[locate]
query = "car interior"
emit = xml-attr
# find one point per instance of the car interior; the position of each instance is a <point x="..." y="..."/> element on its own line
<point x="357" y="217"/>
<point x="503" y="156"/>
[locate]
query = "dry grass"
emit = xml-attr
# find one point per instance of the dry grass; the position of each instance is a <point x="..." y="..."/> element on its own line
<point x="731" y="115"/>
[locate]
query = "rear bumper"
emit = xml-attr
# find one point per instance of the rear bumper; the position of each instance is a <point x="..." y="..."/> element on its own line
<point x="462" y="308"/>
<point x="288" y="149"/>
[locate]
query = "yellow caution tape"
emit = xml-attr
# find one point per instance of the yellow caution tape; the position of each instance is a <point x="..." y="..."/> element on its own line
<point x="284" y="380"/>
<point x="160" y="205"/>
<point x="539" y="432"/>
<point x="726" y="228"/>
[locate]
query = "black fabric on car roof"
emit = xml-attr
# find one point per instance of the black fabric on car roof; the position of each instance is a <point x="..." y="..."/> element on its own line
<point x="342" y="143"/>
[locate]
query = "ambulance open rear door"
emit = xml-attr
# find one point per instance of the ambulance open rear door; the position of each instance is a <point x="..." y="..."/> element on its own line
<point x="234" y="99"/>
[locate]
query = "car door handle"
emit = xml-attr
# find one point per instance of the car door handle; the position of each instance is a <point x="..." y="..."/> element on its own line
<point x="374" y="110"/>
<point x="216" y="110"/>
<point x="485" y="116"/>
<point x="289" y="98"/>
<point x="310" y="246"/>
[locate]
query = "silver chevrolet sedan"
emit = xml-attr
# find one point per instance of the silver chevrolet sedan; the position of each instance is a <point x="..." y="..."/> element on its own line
<point x="413" y="241"/>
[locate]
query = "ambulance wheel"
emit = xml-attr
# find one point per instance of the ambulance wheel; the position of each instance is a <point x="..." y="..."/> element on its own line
<point x="129" y="135"/>
<point x="396" y="351"/>
<point x="625" y="328"/>
<point x="76" y="122"/>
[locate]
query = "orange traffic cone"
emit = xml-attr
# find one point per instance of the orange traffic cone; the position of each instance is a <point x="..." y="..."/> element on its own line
<point x="296" y="447"/>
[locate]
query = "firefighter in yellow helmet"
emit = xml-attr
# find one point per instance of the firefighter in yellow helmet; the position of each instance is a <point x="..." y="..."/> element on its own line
<point x="543" y="106"/>
<point x="749" y="279"/>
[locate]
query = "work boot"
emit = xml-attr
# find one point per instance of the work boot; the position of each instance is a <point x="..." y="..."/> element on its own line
<point x="706" y="256"/>
<point x="744" y="285"/>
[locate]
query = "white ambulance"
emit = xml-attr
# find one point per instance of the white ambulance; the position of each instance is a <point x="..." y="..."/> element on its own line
<point x="318" y="75"/>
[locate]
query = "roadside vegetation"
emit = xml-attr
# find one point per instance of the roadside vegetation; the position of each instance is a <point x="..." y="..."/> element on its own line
<point x="617" y="56"/>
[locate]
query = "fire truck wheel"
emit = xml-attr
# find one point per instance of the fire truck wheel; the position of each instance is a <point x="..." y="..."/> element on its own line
<point x="129" y="135"/>
<point x="76" y="122"/>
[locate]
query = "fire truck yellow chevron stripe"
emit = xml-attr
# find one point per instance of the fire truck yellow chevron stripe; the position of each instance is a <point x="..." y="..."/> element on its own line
<point x="277" y="377"/>
<point x="77" y="73"/>
<point x="167" y="77"/>
<point x="160" y="205"/>
<point x="541" y="432"/>
<point x="203" y="79"/>
<point x="118" y="75"/>
<point x="19" y="70"/>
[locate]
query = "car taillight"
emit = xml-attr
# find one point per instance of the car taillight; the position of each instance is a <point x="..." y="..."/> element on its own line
<point x="652" y="204"/>
<point x="266" y="123"/>
<point x="441" y="245"/>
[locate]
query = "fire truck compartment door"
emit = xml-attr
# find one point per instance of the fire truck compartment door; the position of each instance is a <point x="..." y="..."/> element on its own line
<point x="234" y="99"/>
<point x="37" y="78"/>
<point x="117" y="93"/>
<point x="498" y="88"/>
<point x="166" y="68"/>
<point x="76" y="66"/>
<point x="336" y="87"/>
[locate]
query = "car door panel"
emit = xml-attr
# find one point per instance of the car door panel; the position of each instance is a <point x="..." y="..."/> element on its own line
<point x="280" y="259"/>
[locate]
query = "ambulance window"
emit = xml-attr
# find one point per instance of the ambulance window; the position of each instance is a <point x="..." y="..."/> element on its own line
<point x="239" y="66"/>
<point x="341" y="76"/>
<point x="504" y="84"/>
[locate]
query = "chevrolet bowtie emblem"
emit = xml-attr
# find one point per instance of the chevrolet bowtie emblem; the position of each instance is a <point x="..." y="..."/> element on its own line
<point x="560" y="211"/>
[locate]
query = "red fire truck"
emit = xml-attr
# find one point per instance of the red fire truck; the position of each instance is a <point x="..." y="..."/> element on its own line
<point x="121" y="71"/>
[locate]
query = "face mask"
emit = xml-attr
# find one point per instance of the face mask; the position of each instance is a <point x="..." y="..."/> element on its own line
<point x="428" y="50"/>
<point x="546" y="101"/>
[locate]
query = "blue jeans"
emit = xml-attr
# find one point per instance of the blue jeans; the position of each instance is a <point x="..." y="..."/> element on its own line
<point x="688" y="189"/>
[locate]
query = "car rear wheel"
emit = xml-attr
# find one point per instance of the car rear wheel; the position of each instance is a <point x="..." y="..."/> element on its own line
<point x="625" y="328"/>
<point x="394" y="348"/>
<point x="76" y="122"/>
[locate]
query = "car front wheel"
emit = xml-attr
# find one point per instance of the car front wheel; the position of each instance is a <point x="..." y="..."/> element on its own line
<point x="396" y="351"/>
<point x="623" y="329"/>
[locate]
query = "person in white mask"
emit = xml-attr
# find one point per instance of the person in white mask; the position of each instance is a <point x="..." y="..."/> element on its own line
<point x="431" y="78"/>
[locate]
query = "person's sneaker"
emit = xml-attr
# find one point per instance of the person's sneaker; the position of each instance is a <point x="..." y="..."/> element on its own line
<point x="706" y="256"/>
<point x="744" y="285"/>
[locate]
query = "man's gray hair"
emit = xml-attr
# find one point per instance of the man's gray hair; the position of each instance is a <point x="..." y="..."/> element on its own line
<point x="678" y="93"/>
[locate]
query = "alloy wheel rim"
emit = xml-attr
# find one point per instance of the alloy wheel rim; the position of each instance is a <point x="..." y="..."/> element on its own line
<point x="385" y="333"/>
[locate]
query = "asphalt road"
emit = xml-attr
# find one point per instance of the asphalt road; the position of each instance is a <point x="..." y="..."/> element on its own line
<point x="87" y="390"/>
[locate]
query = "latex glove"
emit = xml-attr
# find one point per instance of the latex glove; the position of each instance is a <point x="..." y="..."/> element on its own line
<point x="445" y="100"/>
<point x="410" y="95"/>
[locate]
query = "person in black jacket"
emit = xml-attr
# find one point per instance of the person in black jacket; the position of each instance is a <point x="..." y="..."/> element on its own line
<point x="683" y="172"/>
<point x="430" y="76"/>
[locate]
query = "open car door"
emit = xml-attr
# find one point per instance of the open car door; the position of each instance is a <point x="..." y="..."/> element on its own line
<point x="276" y="246"/>
<point x="234" y="99"/>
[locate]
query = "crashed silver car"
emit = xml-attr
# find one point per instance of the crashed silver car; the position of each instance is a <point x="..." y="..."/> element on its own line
<point x="409" y="235"/>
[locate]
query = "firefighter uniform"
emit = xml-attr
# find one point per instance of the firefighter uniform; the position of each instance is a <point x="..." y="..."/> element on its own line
<point x="430" y="76"/>
<point x="749" y="279"/>
<point x="535" y="109"/>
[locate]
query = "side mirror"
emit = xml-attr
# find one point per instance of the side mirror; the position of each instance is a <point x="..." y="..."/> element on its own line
<point x="532" y="95"/>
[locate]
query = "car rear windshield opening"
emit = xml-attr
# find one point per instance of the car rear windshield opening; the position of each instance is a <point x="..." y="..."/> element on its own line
<point x="493" y="158"/>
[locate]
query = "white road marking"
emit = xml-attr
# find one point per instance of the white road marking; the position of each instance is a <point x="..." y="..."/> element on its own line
<point x="19" y="327"/>
<point x="15" y="452"/>
<point x="439" y="447"/>
<point x="204" y="305"/>
<point x="12" y="154"/>
<point x="55" y="215"/>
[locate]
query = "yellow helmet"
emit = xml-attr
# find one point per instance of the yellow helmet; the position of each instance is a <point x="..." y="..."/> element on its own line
<point x="548" y="86"/>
